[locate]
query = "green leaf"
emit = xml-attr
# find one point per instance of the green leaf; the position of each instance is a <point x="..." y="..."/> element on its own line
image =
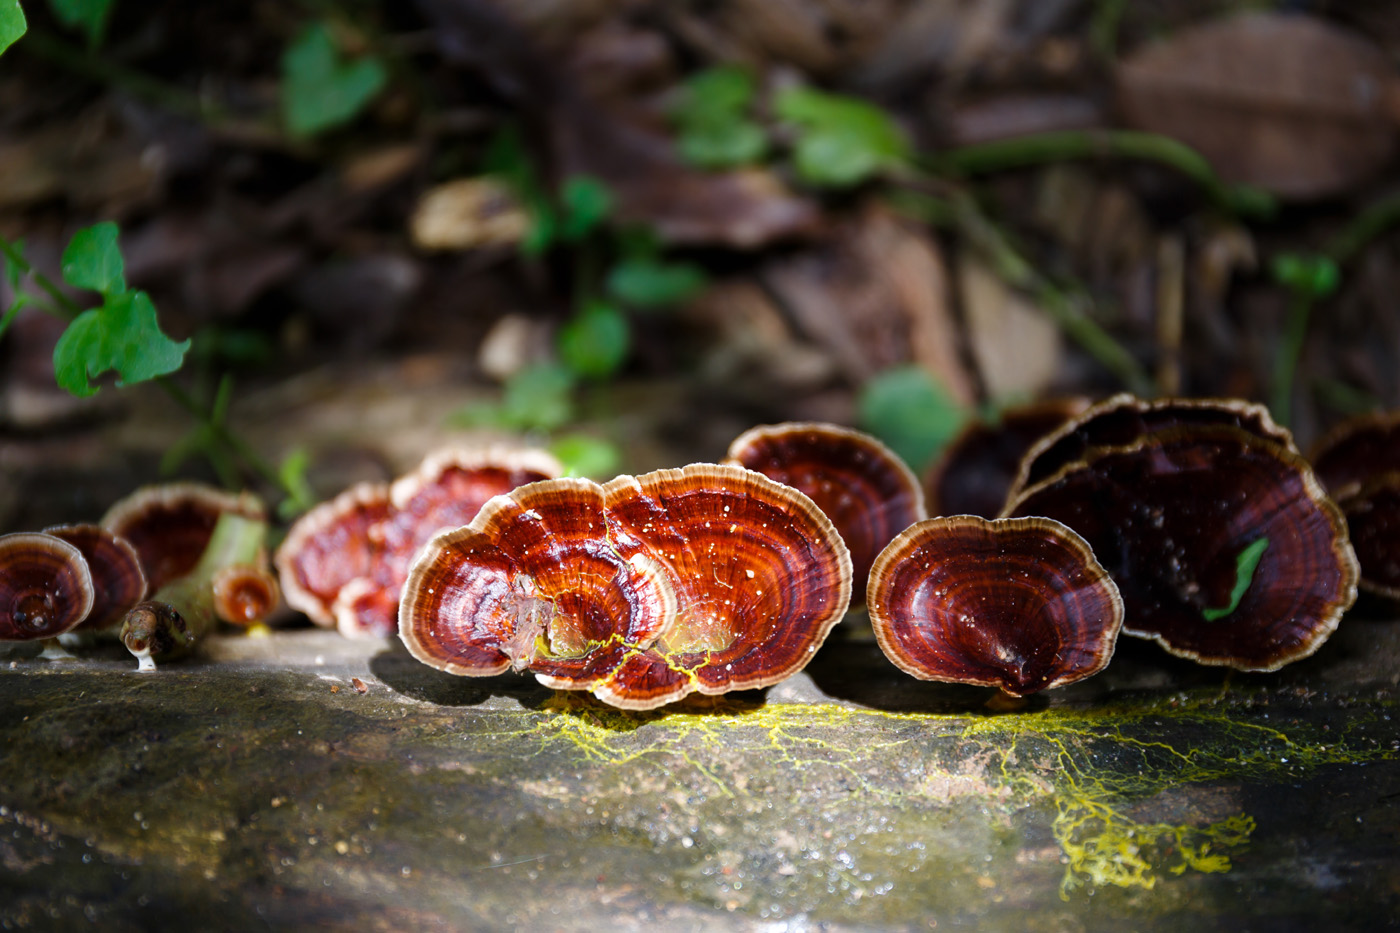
<point x="841" y="141"/>
<point x="320" y="89"/>
<point x="88" y="15"/>
<point x="1245" y="565"/>
<point x="540" y="397"/>
<point x="710" y="114"/>
<point x="13" y="270"/>
<point x="650" y="283"/>
<point x="122" y="335"/>
<point x="507" y="158"/>
<point x="595" y="342"/>
<point x="291" y="473"/>
<point x="585" y="203"/>
<point x="583" y="455"/>
<point x="908" y="410"/>
<point x="92" y="260"/>
<point x="12" y="24"/>
<point x="1308" y="274"/>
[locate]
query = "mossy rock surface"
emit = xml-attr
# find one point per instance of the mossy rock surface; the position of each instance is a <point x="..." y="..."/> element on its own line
<point x="305" y="779"/>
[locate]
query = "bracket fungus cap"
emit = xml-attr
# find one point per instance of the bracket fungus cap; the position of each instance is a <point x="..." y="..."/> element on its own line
<point x="1020" y="604"/>
<point x="1124" y="418"/>
<point x="117" y="580"/>
<point x="1356" y="450"/>
<point x="1224" y="545"/>
<point x="244" y="594"/>
<point x="708" y="578"/>
<point x="45" y="586"/>
<point x="867" y="491"/>
<point x="344" y="562"/>
<point x="1372" y="512"/>
<point x="170" y="525"/>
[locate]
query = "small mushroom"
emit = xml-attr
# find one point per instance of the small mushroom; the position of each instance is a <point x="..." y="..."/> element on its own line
<point x="344" y="562"/>
<point x="1020" y="604"/>
<point x="975" y="471"/>
<point x="1223" y="544"/>
<point x="170" y="525"/>
<point x="1125" y="418"/>
<point x="244" y="594"/>
<point x="117" y="581"/>
<point x="866" y="490"/>
<point x="704" y="579"/>
<point x="45" y="587"/>
<point x="1357" y="450"/>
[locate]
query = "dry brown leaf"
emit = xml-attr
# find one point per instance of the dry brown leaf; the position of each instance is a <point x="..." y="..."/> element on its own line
<point x="1288" y="103"/>
<point x="1016" y="345"/>
<point x="468" y="213"/>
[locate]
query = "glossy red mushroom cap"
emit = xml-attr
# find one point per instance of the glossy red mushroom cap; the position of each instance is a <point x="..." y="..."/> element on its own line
<point x="1223" y="544"/>
<point x="344" y="562"/>
<point x="866" y="490"/>
<point x="170" y="525"/>
<point x="1125" y="418"/>
<point x="1020" y="604"/>
<point x="708" y="578"/>
<point x="117" y="580"/>
<point x="45" y="586"/>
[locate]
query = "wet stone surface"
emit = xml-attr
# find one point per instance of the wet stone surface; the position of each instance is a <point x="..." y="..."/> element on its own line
<point x="305" y="779"/>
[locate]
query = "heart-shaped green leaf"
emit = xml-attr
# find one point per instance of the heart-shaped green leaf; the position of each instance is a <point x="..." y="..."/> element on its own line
<point x="321" y="90"/>
<point x="92" y="260"/>
<point x="12" y="24"/>
<point x="122" y="335"/>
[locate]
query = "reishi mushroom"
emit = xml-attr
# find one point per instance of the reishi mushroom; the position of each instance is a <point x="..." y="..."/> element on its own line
<point x="976" y="471"/>
<point x="703" y="579"/>
<point x="1358" y="461"/>
<point x="866" y="490"/>
<point x="170" y="525"/>
<point x="244" y="594"/>
<point x="344" y="562"/>
<point x="1020" y="604"/>
<point x="45" y="588"/>
<point x="1125" y="418"/>
<point x="1356" y="450"/>
<point x="1223" y="544"/>
<point x="117" y="580"/>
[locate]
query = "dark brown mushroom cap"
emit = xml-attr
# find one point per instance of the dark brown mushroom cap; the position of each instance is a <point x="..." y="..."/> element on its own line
<point x="1372" y="513"/>
<point x="117" y="580"/>
<point x="170" y="525"/>
<point x="366" y="537"/>
<point x="866" y="490"/>
<point x="1170" y="515"/>
<point x="708" y="578"/>
<point x="244" y="594"/>
<point x="1124" y="418"/>
<point x="975" y="472"/>
<point x="337" y="541"/>
<point x="1018" y="603"/>
<point x="1357" y="450"/>
<point x="45" y="586"/>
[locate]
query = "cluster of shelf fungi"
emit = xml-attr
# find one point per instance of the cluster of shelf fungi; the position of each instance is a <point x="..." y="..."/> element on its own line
<point x="1195" y="523"/>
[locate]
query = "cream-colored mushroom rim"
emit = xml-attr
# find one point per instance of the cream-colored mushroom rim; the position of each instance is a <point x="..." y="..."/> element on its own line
<point x="131" y="508"/>
<point x="499" y="457"/>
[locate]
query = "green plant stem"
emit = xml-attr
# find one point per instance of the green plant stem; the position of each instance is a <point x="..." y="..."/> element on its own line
<point x="1365" y="227"/>
<point x="69" y="309"/>
<point x="1041" y="148"/>
<point x="1295" y="332"/>
<point x="1065" y="310"/>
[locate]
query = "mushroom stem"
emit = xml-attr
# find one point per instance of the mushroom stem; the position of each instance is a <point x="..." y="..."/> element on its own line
<point x="170" y="623"/>
<point x="55" y="651"/>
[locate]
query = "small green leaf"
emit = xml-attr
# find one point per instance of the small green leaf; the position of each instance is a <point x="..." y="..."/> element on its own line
<point x="321" y="90"/>
<point x="291" y="472"/>
<point x="88" y="15"/>
<point x="583" y="455"/>
<point x="595" y="342"/>
<point x="585" y="203"/>
<point x="507" y="158"/>
<point x="536" y="398"/>
<point x="92" y="260"/>
<point x="12" y="24"/>
<point x="649" y="283"/>
<point x="122" y="335"/>
<point x="1245" y="565"/>
<point x="13" y="270"/>
<point x="714" y="131"/>
<point x="910" y="412"/>
<point x="1312" y="275"/>
<point x="841" y="141"/>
